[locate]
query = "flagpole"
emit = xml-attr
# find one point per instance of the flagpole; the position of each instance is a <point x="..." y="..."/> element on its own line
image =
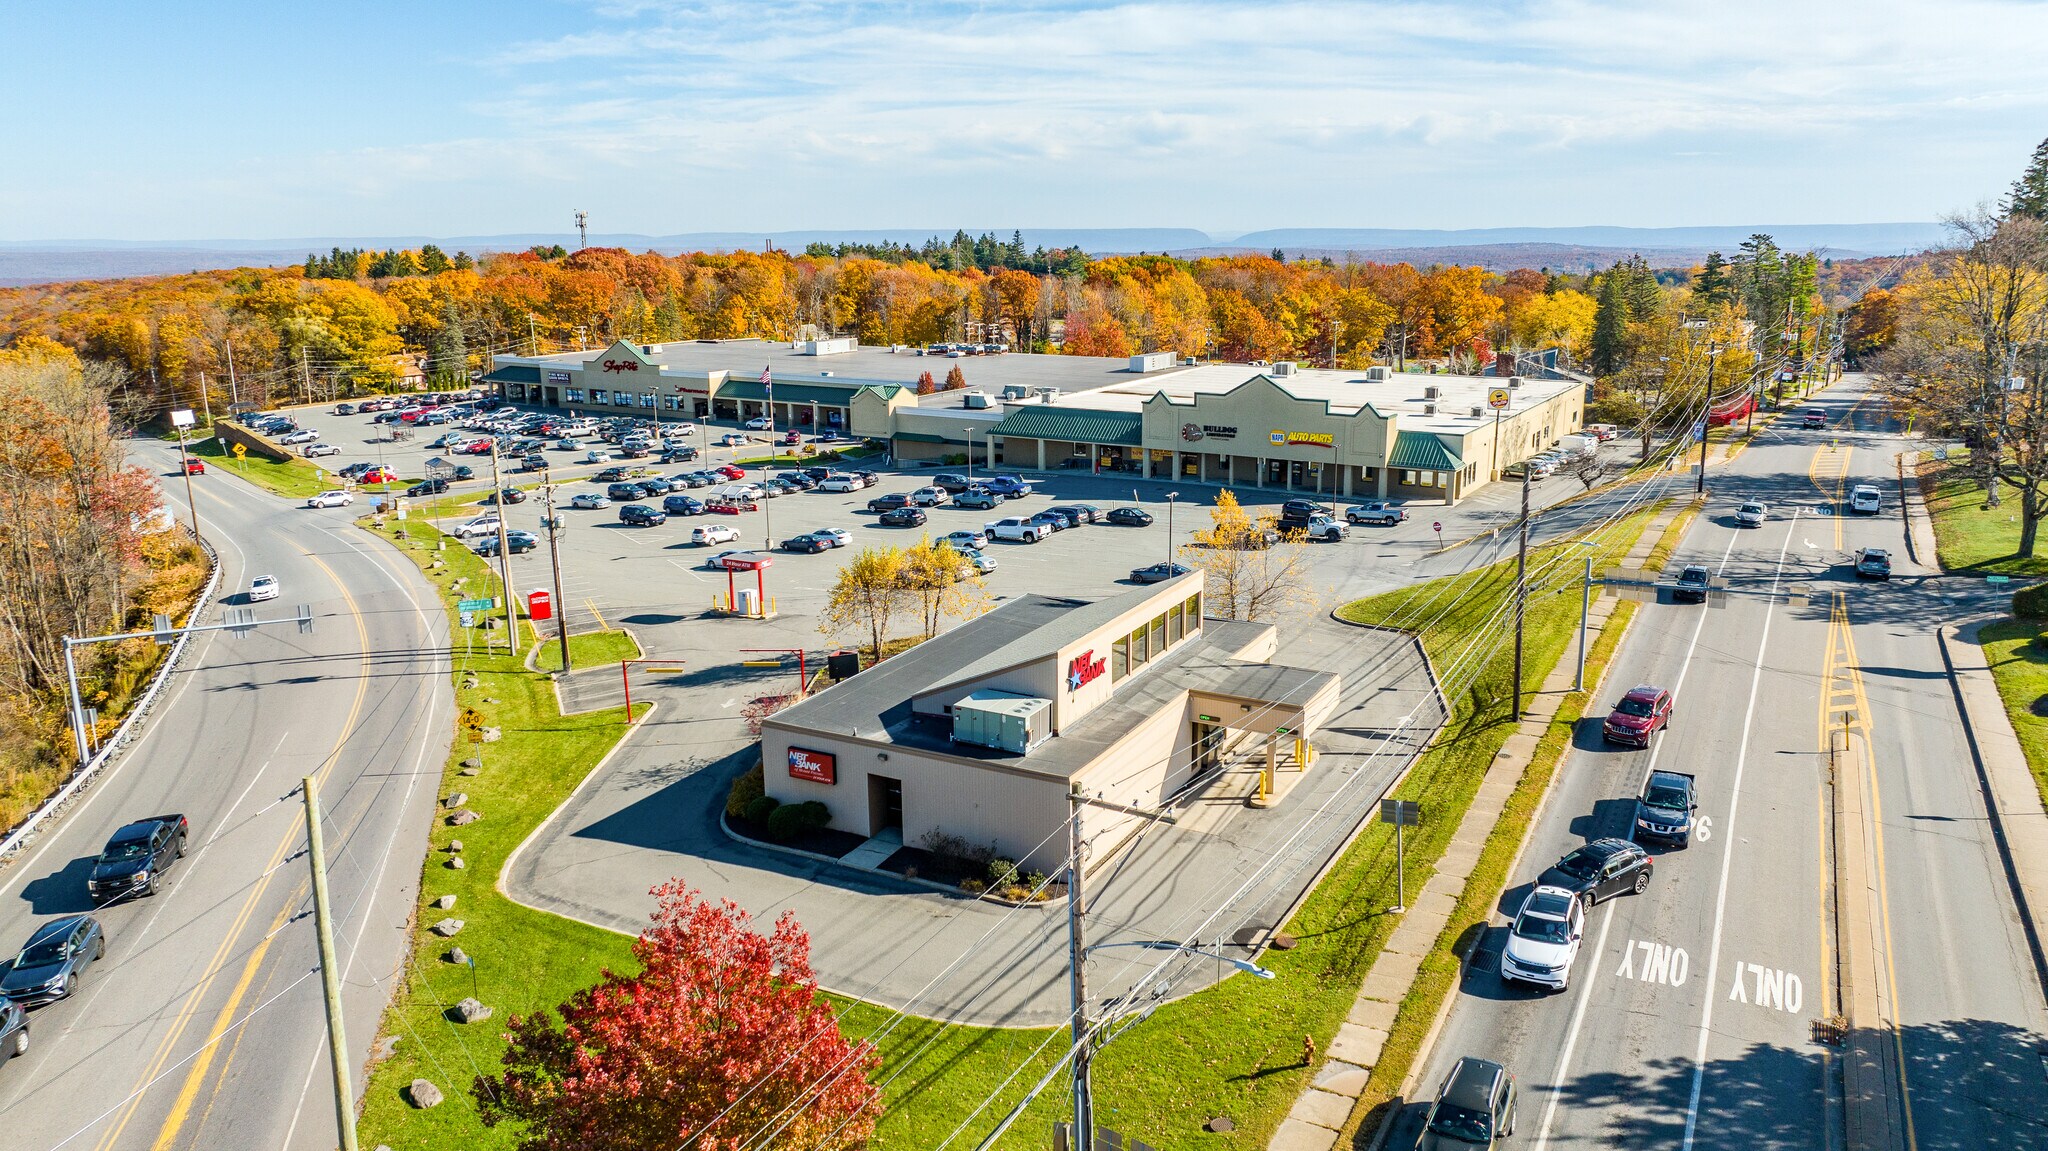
<point x="768" y="411"/>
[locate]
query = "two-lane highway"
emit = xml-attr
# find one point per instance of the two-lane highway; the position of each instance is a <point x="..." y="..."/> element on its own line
<point x="1692" y="1016"/>
<point x="203" y="1027"/>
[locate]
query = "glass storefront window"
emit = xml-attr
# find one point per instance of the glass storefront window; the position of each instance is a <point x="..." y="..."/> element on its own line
<point x="600" y="396"/>
<point x="1139" y="654"/>
<point x="1120" y="658"/>
<point x="572" y="395"/>
<point x="1159" y="634"/>
<point x="1194" y="606"/>
<point x="1176" y="624"/>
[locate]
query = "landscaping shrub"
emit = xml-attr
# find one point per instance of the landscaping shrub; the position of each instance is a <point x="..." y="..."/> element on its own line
<point x="2031" y="602"/>
<point x="750" y="786"/>
<point x="761" y="807"/>
<point x="792" y="820"/>
<point x="1002" y="873"/>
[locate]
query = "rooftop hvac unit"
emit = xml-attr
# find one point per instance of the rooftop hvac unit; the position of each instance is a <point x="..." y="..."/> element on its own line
<point x="1432" y="392"/>
<point x="1429" y="409"/>
<point x="649" y="349"/>
<point x="1015" y="391"/>
<point x="1286" y="368"/>
<point x="1478" y="410"/>
<point x="976" y="400"/>
<point x="1047" y="395"/>
<point x="1378" y="374"/>
<point x="1002" y="720"/>
<point x="1514" y="381"/>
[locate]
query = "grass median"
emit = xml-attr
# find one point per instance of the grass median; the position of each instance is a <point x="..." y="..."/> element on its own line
<point x="293" y="479"/>
<point x="1970" y="537"/>
<point x="2019" y="664"/>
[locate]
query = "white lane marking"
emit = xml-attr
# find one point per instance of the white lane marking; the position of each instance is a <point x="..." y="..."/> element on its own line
<point x="1585" y="993"/>
<point x="1756" y="678"/>
<point x="1661" y="964"/>
<point x="1774" y="988"/>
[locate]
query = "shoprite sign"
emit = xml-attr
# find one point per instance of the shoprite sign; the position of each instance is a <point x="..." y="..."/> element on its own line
<point x="1303" y="439"/>
<point x="816" y="766"/>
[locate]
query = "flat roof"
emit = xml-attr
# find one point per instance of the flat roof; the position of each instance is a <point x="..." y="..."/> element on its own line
<point x="1346" y="392"/>
<point x="744" y="359"/>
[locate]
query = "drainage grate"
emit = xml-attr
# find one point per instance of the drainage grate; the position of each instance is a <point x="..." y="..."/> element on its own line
<point x="1832" y="1031"/>
<point x="1484" y="960"/>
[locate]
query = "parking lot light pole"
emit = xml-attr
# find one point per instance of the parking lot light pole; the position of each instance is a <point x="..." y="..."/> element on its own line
<point x="555" y="558"/>
<point x="1171" y="498"/>
<point x="504" y="553"/>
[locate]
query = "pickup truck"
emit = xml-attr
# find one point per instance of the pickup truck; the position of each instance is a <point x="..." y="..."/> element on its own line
<point x="1319" y="528"/>
<point x="1666" y="806"/>
<point x="135" y="859"/>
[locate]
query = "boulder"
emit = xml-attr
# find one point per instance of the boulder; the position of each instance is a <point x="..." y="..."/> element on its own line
<point x="447" y="928"/>
<point x="472" y="761"/>
<point x="455" y="863"/>
<point x="445" y="902"/>
<point x="471" y="771"/>
<point x="423" y="1094"/>
<point x="457" y="955"/>
<point x="454" y="845"/>
<point x="492" y="735"/>
<point x="463" y="818"/>
<point x="457" y="799"/>
<point x="468" y="1010"/>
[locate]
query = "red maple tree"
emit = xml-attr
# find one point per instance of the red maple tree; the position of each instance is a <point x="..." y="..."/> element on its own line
<point x="926" y="385"/>
<point x="721" y="1039"/>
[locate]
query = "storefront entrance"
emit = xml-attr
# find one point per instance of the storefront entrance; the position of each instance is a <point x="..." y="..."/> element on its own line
<point x="885" y="804"/>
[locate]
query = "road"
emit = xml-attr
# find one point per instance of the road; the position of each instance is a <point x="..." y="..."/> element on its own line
<point x="203" y="1027"/>
<point x="1689" y="1022"/>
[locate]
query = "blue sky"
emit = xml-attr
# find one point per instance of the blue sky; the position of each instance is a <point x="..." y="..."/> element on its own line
<point x="227" y="119"/>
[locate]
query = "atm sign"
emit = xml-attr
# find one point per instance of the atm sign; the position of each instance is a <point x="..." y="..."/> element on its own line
<point x="816" y="766"/>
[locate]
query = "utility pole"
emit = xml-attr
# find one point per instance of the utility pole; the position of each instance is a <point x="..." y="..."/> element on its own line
<point x="205" y="401"/>
<point x="185" y="467"/>
<point x="533" y="333"/>
<point x="1585" y="609"/>
<point x="1521" y="590"/>
<point x="1706" y="417"/>
<point x="555" y="557"/>
<point x="306" y="373"/>
<point x="504" y="553"/>
<point x="1077" y="982"/>
<point x="330" y="976"/>
<point x="234" y="391"/>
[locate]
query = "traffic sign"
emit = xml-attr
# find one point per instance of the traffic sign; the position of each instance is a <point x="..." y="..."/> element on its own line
<point x="1497" y="398"/>
<point x="477" y="604"/>
<point x="241" y="450"/>
<point x="1405" y="812"/>
<point x="1699" y="431"/>
<point x="1437" y="525"/>
<point x="472" y="722"/>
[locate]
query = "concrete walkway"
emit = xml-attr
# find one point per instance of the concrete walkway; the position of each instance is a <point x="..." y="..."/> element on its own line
<point x="1319" y="1115"/>
<point x="2017" y="816"/>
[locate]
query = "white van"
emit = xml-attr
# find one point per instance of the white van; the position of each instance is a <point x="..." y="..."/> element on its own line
<point x="1864" y="500"/>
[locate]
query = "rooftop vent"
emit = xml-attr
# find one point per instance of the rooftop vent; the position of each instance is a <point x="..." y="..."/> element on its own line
<point x="1429" y="409"/>
<point x="1432" y="392"/>
<point x="1286" y="368"/>
<point x="1478" y="410"/>
<point x="649" y="349"/>
<point x="1514" y="381"/>
<point x="824" y="373"/>
<point x="1378" y="374"/>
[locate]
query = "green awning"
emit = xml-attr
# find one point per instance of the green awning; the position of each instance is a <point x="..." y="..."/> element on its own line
<point x="1073" y="425"/>
<point x="514" y="374"/>
<point x="1423" y="453"/>
<point x="920" y="438"/>
<point x="837" y="396"/>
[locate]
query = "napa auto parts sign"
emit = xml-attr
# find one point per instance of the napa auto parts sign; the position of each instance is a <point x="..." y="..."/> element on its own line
<point x="816" y="766"/>
<point x="1281" y="438"/>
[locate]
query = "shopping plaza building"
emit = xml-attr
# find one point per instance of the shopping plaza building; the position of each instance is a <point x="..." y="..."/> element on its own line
<point x="985" y="731"/>
<point x="1339" y="433"/>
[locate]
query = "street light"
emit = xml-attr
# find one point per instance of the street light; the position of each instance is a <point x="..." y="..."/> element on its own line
<point x="1245" y="966"/>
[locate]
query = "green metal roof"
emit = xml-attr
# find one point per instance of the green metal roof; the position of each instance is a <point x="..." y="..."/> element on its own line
<point x="514" y="374"/>
<point x="1423" y="453"/>
<point x="838" y="395"/>
<point x="1076" y="425"/>
<point x="923" y="438"/>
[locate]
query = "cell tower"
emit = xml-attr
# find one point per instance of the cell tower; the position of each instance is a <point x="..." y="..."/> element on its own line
<point x="582" y="229"/>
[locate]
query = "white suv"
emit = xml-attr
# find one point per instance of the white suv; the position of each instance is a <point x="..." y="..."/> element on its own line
<point x="485" y="525"/>
<point x="1019" y="529"/>
<point x="331" y="498"/>
<point x="1544" y="939"/>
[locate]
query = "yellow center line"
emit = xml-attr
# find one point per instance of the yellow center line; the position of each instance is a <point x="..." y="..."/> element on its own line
<point x="180" y="1109"/>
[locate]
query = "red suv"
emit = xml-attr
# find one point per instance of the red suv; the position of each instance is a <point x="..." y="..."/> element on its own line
<point x="1643" y="712"/>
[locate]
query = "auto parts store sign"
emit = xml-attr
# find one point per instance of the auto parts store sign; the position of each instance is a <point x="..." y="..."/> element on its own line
<point x="1302" y="439"/>
<point x="816" y="766"/>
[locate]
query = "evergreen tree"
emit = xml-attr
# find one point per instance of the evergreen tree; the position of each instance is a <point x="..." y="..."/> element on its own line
<point x="433" y="261"/>
<point x="463" y="262"/>
<point x="668" y="319"/>
<point x="448" y="350"/>
<point x="1013" y="256"/>
<point x="1640" y="289"/>
<point x="1279" y="257"/>
<point x="312" y="267"/>
<point x="1610" y="321"/>
<point x="2029" y="196"/>
<point x="1710" y="287"/>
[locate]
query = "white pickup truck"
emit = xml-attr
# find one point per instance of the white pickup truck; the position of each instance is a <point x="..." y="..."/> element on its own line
<point x="1018" y="529"/>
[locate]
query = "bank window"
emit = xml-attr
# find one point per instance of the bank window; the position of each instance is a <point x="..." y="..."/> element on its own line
<point x="572" y="395"/>
<point x="1159" y="634"/>
<point x="1176" y="624"/>
<point x="600" y="396"/>
<point x="1139" y="653"/>
<point x="1194" y="606"/>
<point x="1120" y="658"/>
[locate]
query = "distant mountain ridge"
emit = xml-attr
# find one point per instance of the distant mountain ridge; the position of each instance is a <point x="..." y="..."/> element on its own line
<point x="48" y="261"/>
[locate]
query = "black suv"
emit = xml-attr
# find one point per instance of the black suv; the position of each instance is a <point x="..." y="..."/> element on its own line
<point x="1475" y="1107"/>
<point x="1692" y="587"/>
<point x="1600" y="869"/>
<point x="641" y="516"/>
<point x="889" y="503"/>
<point x="432" y="487"/>
<point x="953" y="484"/>
<point x="136" y="857"/>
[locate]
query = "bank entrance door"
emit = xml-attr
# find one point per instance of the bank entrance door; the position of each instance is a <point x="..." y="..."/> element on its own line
<point x="1208" y="746"/>
<point x="885" y="804"/>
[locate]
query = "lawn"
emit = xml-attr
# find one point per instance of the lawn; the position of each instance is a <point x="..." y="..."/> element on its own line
<point x="294" y="479"/>
<point x="1968" y="536"/>
<point x="1232" y="1050"/>
<point x="2020" y="665"/>
<point x="586" y="649"/>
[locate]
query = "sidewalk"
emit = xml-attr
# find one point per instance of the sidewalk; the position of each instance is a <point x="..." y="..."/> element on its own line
<point x="2017" y="817"/>
<point x="1319" y="1115"/>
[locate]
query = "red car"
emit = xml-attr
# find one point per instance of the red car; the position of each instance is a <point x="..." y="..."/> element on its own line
<point x="378" y="476"/>
<point x="194" y="467"/>
<point x="719" y="506"/>
<point x="1641" y="714"/>
<point x="730" y="472"/>
<point x="793" y="437"/>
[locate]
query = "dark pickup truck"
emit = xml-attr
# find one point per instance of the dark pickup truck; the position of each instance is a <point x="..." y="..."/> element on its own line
<point x="136" y="858"/>
<point x="1665" y="808"/>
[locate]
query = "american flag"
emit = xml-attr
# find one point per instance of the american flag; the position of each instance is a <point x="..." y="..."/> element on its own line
<point x="767" y="382"/>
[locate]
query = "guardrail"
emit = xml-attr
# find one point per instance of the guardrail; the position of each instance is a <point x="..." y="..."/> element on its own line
<point x="130" y="728"/>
